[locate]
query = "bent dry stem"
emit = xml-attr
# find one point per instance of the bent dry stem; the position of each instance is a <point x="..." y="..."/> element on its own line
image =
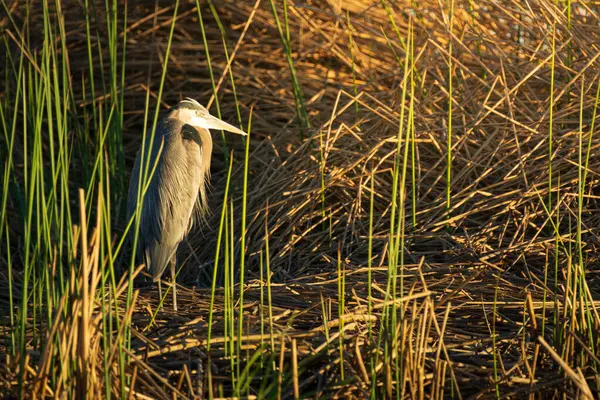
<point x="453" y="159"/>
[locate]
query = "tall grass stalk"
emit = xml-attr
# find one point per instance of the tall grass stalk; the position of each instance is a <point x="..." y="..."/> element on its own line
<point x="222" y="226"/>
<point x="395" y="255"/>
<point x="243" y="248"/>
<point x="230" y="272"/>
<point x="115" y="153"/>
<point x="274" y="373"/>
<point x="558" y="245"/>
<point x="582" y="187"/>
<point x="370" y="255"/>
<point x="226" y="52"/>
<point x="494" y="340"/>
<point x="268" y="273"/>
<point x="400" y="240"/>
<point x="449" y="127"/>
<point x="211" y="73"/>
<point x="286" y="43"/>
<point x="580" y="264"/>
<point x="9" y="175"/>
<point x="341" y="306"/>
<point x="551" y="117"/>
<point x="550" y="155"/>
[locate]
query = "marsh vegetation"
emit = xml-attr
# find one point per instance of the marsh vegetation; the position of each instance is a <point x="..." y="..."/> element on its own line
<point x="413" y="215"/>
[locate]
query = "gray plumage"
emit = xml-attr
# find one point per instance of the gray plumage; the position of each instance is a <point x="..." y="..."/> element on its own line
<point x="176" y="195"/>
<point x="176" y="189"/>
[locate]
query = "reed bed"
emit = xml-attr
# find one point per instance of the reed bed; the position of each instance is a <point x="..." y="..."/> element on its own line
<point x="414" y="214"/>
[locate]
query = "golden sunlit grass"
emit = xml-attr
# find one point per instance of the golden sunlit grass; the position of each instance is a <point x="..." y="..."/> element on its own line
<point x="414" y="214"/>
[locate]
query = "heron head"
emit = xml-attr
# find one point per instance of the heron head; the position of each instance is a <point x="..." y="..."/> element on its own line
<point x="190" y="112"/>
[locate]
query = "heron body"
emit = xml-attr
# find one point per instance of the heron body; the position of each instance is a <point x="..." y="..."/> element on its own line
<point x="180" y="156"/>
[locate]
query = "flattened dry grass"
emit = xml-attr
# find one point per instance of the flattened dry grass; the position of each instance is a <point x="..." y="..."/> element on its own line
<point x="492" y="292"/>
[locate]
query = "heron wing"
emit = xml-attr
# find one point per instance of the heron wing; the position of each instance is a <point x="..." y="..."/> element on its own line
<point x="170" y="197"/>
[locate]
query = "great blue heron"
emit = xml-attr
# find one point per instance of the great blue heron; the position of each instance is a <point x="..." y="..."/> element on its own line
<point x="176" y="194"/>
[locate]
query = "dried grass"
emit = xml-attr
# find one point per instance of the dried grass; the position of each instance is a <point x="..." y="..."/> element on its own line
<point x="498" y="237"/>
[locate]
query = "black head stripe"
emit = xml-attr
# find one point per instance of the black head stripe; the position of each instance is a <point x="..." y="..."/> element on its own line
<point x="191" y="104"/>
<point x="188" y="132"/>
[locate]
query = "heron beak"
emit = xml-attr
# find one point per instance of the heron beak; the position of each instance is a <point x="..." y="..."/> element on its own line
<point x="209" y="122"/>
